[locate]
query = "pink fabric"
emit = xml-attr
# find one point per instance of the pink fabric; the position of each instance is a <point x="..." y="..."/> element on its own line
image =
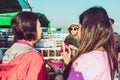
<point x="24" y="42"/>
<point x="27" y="66"/>
<point x="93" y="65"/>
<point x="61" y="50"/>
<point x="75" y="75"/>
<point x="57" y="63"/>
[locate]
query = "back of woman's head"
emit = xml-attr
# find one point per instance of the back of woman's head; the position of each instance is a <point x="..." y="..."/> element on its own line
<point x="24" y="26"/>
<point x="96" y="30"/>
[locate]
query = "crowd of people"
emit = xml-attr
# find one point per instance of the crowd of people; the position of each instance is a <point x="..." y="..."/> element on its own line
<point x="89" y="52"/>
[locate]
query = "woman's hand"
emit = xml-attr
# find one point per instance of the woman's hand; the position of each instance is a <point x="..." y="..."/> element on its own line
<point x="66" y="55"/>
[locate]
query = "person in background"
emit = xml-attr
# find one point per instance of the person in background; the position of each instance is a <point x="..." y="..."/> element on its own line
<point x="116" y="35"/>
<point x="119" y="57"/>
<point x="112" y="21"/>
<point x="73" y="31"/>
<point x="21" y="61"/>
<point x="72" y="43"/>
<point x="95" y="59"/>
<point x="116" y="39"/>
<point x="1" y="55"/>
<point x="72" y="40"/>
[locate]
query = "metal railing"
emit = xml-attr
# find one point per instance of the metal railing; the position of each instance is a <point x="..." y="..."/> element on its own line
<point x="48" y="53"/>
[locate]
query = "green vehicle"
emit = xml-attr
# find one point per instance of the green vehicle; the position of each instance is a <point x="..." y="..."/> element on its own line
<point x="8" y="9"/>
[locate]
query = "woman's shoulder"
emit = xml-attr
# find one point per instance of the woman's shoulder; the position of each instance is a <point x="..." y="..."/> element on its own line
<point x="68" y="36"/>
<point x="95" y="56"/>
<point x="32" y="53"/>
<point x="95" y="62"/>
<point x="94" y="59"/>
<point x="94" y="53"/>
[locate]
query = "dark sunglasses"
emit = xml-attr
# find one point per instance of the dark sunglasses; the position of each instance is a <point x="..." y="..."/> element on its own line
<point x="74" y="29"/>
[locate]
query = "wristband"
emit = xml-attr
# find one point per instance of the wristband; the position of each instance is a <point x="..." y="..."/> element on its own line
<point x="58" y="73"/>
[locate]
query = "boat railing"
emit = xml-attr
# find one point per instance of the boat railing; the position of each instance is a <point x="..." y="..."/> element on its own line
<point x="48" y="53"/>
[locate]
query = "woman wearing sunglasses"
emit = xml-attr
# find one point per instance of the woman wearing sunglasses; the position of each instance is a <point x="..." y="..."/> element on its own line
<point x="72" y="38"/>
<point x="73" y="30"/>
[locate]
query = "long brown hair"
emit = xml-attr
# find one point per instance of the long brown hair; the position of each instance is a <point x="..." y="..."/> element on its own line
<point x="96" y="31"/>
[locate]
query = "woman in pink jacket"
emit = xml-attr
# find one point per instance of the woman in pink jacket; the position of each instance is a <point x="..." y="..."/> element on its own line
<point x="21" y="61"/>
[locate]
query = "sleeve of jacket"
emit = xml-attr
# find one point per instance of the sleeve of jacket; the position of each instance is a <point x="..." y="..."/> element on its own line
<point x="37" y="69"/>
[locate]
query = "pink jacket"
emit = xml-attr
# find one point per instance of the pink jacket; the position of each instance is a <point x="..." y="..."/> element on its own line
<point x="27" y="66"/>
<point x="93" y="65"/>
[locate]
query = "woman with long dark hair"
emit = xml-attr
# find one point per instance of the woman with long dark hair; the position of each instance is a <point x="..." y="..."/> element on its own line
<point x="96" y="58"/>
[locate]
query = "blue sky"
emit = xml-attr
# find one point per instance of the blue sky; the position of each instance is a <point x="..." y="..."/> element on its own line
<point x="62" y="13"/>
